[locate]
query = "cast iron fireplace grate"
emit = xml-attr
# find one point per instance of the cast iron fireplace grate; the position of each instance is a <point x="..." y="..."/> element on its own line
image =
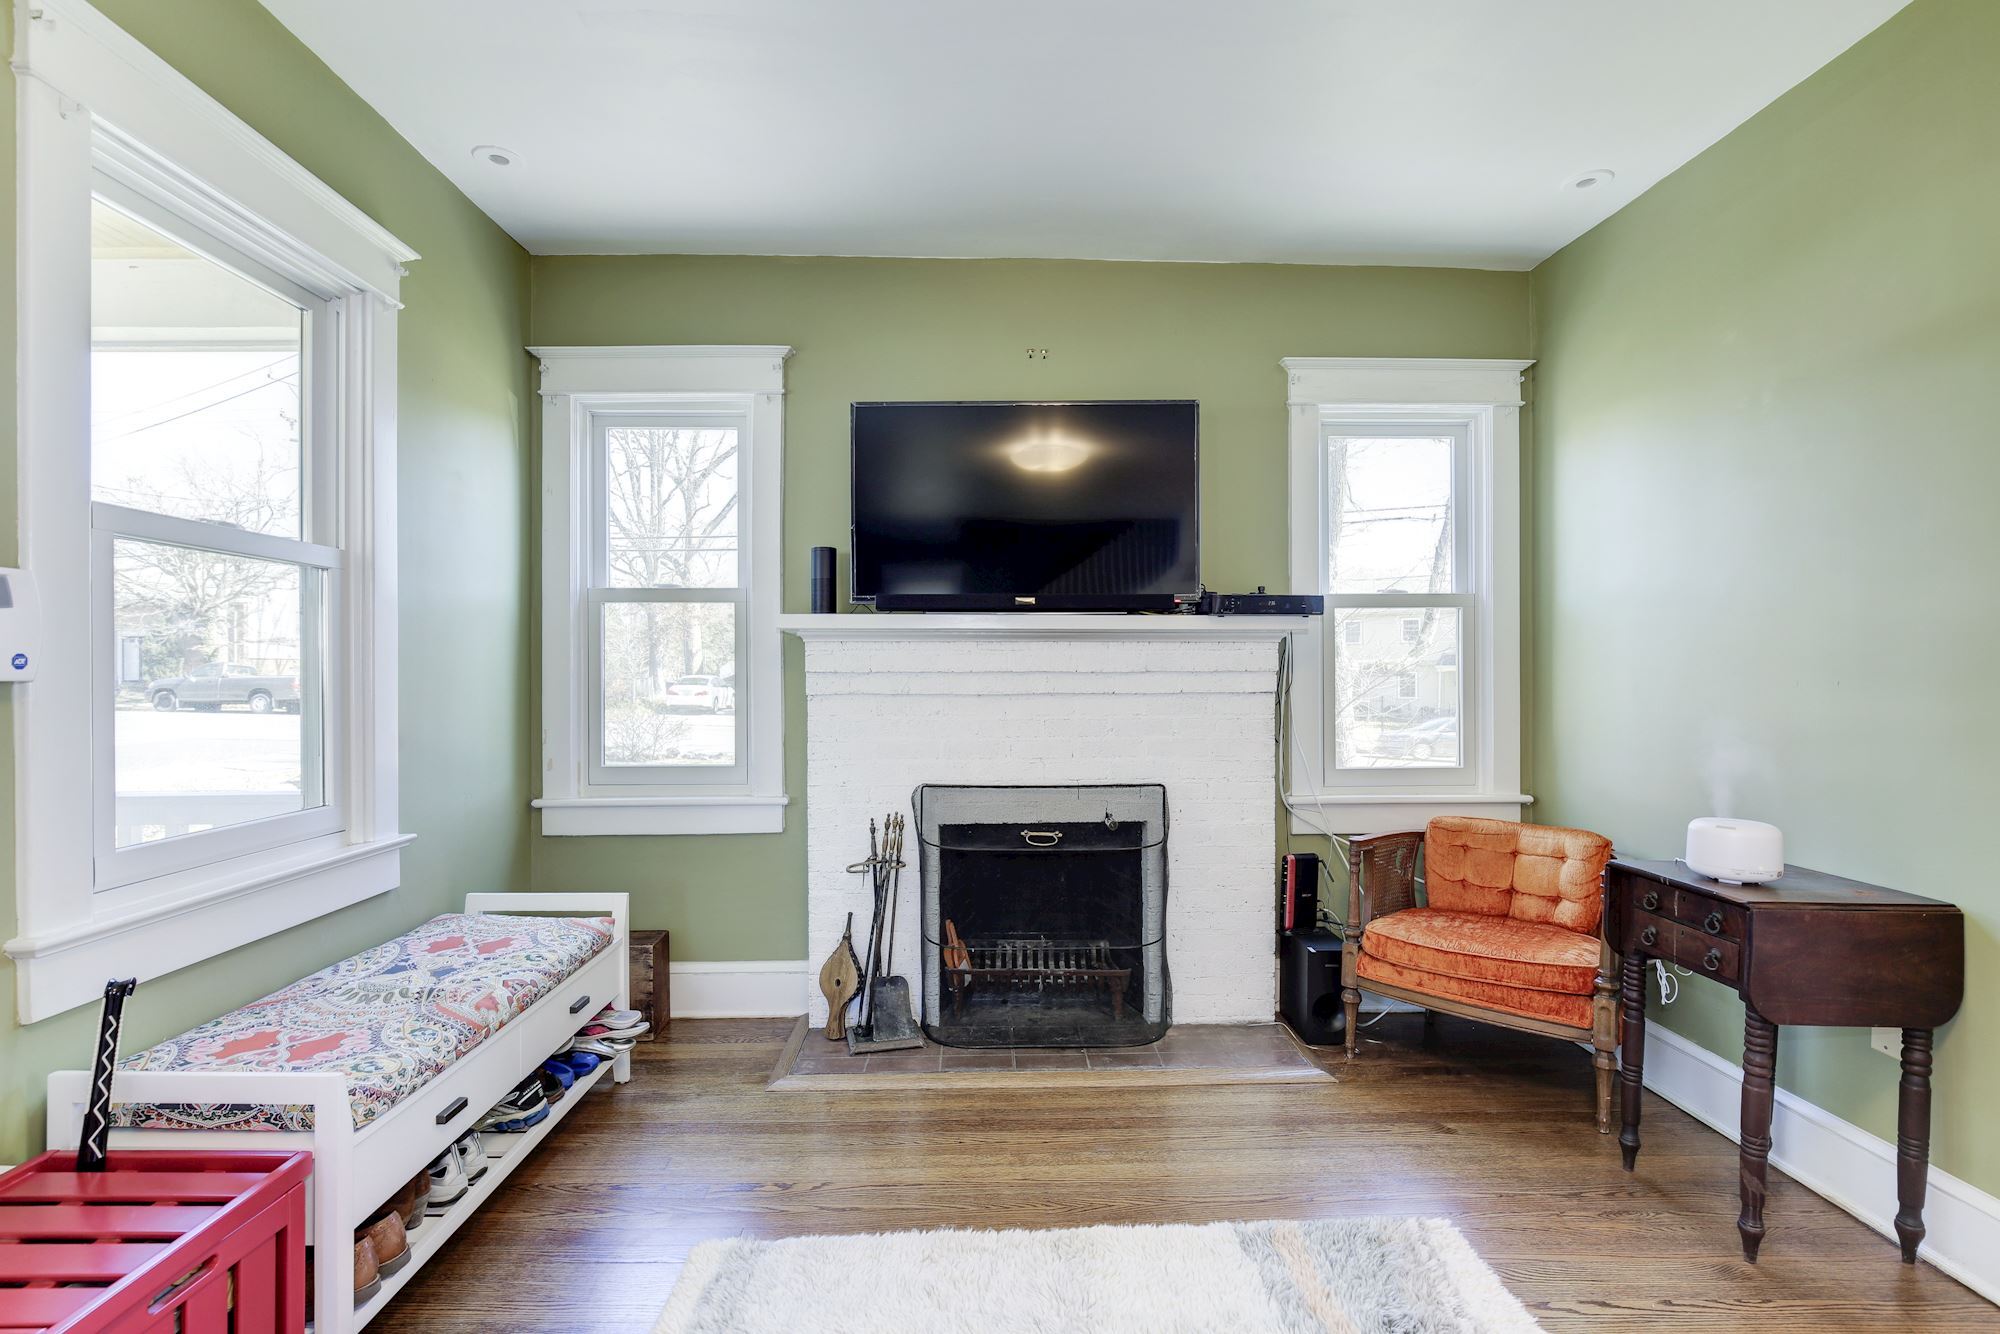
<point x="1044" y="915"/>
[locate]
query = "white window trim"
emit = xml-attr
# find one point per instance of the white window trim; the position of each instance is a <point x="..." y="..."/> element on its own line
<point x="92" y="99"/>
<point x="580" y="381"/>
<point x="1486" y="396"/>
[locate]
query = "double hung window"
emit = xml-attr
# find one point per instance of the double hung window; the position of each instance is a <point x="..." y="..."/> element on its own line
<point x="1405" y="514"/>
<point x="662" y="671"/>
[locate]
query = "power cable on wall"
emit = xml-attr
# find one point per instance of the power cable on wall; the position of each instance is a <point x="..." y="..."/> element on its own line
<point x="1289" y="748"/>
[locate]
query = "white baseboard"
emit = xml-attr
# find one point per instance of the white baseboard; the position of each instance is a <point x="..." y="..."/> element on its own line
<point x="739" y="989"/>
<point x="1834" y="1158"/>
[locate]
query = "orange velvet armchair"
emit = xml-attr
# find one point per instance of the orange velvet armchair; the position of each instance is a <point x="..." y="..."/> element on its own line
<point x="1509" y="931"/>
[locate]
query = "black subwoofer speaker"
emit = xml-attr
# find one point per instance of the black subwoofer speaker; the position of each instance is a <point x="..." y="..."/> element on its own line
<point x="1309" y="987"/>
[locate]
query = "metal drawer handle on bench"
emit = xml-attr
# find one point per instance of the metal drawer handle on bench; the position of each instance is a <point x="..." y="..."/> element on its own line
<point x="456" y="1106"/>
<point x="576" y="1006"/>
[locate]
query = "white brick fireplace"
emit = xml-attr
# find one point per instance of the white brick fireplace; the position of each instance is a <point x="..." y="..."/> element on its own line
<point x="893" y="701"/>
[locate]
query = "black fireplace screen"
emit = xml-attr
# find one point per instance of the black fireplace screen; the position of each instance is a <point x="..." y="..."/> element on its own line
<point x="1044" y="912"/>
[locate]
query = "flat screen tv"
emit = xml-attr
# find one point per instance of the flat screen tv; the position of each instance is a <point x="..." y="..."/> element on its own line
<point x="1025" y="506"/>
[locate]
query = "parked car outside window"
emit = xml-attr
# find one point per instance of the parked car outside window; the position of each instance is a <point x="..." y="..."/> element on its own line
<point x="1435" y="738"/>
<point x="214" y="684"/>
<point x="710" y="694"/>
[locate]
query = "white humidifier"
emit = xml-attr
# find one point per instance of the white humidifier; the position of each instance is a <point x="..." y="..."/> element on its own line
<point x="1736" y="852"/>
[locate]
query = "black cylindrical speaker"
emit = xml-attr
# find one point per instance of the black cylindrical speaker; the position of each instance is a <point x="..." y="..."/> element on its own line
<point x="1309" y="987"/>
<point x="822" y="579"/>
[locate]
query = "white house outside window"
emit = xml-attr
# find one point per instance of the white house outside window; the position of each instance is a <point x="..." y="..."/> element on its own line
<point x="662" y="684"/>
<point x="1404" y="514"/>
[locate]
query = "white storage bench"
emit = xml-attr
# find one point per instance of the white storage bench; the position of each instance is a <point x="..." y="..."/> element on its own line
<point x="378" y="1063"/>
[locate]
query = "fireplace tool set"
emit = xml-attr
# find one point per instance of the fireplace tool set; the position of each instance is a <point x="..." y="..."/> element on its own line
<point x="885" y="1021"/>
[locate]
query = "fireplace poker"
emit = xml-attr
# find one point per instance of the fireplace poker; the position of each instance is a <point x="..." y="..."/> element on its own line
<point x="873" y="866"/>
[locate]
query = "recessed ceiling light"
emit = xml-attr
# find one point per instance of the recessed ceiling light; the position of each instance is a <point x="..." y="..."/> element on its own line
<point x="493" y="155"/>
<point x="1590" y="180"/>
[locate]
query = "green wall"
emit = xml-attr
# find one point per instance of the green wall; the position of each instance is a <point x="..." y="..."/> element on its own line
<point x="1765" y="546"/>
<point x="464" y="490"/>
<point x="941" y="329"/>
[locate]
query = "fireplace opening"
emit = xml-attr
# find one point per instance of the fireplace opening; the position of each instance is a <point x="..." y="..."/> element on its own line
<point x="1044" y="915"/>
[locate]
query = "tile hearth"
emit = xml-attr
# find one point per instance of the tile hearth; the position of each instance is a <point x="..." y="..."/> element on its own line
<point x="1188" y="1054"/>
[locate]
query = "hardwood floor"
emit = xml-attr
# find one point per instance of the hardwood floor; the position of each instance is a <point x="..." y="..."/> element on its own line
<point x="1488" y="1128"/>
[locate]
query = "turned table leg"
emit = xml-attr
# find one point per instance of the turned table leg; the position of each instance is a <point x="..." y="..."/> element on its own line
<point x="1632" y="1055"/>
<point x="1913" y="1140"/>
<point x="1760" y="1064"/>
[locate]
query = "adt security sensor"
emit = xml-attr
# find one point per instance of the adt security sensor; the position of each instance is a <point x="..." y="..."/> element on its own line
<point x="20" y="626"/>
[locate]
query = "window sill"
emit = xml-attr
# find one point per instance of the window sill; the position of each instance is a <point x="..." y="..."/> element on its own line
<point x="60" y="970"/>
<point x="591" y="817"/>
<point x="1386" y="812"/>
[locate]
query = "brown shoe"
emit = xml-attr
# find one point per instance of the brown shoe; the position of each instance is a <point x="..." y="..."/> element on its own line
<point x="419" y="1197"/>
<point x="391" y="1245"/>
<point x="367" y="1274"/>
<point x="420" y="1192"/>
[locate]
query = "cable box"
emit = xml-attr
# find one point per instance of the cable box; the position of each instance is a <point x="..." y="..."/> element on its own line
<point x="1261" y="603"/>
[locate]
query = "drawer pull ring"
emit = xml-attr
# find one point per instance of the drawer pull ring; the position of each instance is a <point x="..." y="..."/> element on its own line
<point x="1712" y="923"/>
<point x="1041" y="838"/>
<point x="457" y="1105"/>
<point x="1650" y="935"/>
<point x="576" y="1006"/>
<point x="1650" y="902"/>
<point x="1712" y="960"/>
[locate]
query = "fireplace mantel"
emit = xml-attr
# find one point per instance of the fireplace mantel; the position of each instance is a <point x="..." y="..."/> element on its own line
<point x="1054" y="699"/>
<point x="1039" y="625"/>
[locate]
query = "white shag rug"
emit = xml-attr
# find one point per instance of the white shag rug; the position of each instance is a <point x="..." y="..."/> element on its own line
<point x="1343" y="1276"/>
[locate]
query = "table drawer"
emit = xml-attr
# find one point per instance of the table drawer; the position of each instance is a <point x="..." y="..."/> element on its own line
<point x="1706" y="913"/>
<point x="1652" y="934"/>
<point x="1692" y="948"/>
<point x="1709" y="956"/>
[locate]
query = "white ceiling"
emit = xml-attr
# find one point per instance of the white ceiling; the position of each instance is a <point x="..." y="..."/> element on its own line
<point x="1311" y="131"/>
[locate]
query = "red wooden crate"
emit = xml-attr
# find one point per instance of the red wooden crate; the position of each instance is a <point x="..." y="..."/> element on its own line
<point x="159" y="1242"/>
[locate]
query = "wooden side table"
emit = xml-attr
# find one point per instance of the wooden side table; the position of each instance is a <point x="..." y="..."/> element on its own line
<point x="650" y="980"/>
<point x="1806" y="948"/>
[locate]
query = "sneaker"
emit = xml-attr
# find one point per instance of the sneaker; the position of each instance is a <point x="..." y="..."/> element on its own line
<point x="618" y="1018"/>
<point x="472" y="1155"/>
<point x="525" y="1099"/>
<point x="604" y="1047"/>
<point x="605" y="1031"/>
<point x="553" y="1086"/>
<point x="448" y="1183"/>
<point x="520" y="1123"/>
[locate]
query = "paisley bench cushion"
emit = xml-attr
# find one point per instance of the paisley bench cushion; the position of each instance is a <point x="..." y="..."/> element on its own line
<point x="390" y="1018"/>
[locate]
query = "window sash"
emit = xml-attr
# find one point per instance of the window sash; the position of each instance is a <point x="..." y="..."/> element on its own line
<point x="1469" y="685"/>
<point x="694" y="418"/>
<point x="1458" y="432"/>
<point x="602" y="774"/>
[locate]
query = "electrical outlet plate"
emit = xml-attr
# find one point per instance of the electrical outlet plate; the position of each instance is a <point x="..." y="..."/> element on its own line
<point x="1888" y="1041"/>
